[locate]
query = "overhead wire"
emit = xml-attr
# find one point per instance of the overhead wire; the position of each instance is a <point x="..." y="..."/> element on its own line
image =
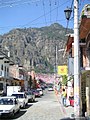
<point x="50" y="8"/>
<point x="41" y="23"/>
<point x="44" y="15"/>
<point x="44" y="11"/>
<point x="57" y="3"/>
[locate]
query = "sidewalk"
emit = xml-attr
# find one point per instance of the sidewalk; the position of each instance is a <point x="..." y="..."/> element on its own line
<point x="67" y="112"/>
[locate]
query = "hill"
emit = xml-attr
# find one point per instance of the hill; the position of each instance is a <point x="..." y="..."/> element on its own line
<point x="36" y="47"/>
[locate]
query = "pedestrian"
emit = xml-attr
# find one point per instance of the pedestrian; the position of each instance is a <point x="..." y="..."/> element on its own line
<point x="83" y="108"/>
<point x="64" y="95"/>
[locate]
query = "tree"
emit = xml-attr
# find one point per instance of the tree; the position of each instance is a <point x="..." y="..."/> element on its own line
<point x="64" y="80"/>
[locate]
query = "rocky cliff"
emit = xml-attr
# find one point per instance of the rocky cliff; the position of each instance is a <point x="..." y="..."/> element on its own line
<point x="36" y="47"/>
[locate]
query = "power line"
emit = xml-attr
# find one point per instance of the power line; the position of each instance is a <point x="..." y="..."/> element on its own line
<point x="44" y="15"/>
<point x="50" y="9"/>
<point x="57" y="2"/>
<point x="44" y="11"/>
<point x="48" y="22"/>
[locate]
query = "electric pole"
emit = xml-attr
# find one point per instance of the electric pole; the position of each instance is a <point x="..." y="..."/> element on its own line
<point x="77" y="82"/>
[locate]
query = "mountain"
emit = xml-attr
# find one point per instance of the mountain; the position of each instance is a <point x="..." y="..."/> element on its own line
<point x="36" y="47"/>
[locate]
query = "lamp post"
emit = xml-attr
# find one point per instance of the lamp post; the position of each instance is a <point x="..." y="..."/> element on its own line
<point x="56" y="60"/>
<point x="56" y="50"/>
<point x="68" y="13"/>
<point x="77" y="86"/>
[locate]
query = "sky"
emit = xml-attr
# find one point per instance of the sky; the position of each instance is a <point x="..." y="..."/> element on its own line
<point x="35" y="13"/>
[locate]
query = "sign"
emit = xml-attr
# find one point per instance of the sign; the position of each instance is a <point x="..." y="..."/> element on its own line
<point x="62" y="70"/>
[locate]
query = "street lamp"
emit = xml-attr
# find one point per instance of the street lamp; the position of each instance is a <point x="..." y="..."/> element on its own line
<point x="77" y="100"/>
<point x="68" y="13"/>
<point x="56" y="61"/>
<point x="56" y="50"/>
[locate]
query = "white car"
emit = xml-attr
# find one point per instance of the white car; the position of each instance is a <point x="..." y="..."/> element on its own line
<point x="40" y="91"/>
<point x="22" y="97"/>
<point x="50" y="88"/>
<point x="9" y="106"/>
<point x="31" y="96"/>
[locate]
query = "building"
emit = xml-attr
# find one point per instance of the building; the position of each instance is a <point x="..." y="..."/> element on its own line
<point x="4" y="73"/>
<point x="84" y="44"/>
<point x="19" y="75"/>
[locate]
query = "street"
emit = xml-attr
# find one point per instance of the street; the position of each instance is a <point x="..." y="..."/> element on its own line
<point x="46" y="107"/>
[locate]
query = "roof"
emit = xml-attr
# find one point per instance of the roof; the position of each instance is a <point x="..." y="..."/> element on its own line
<point x="84" y="27"/>
<point x="8" y="97"/>
<point x="69" y="42"/>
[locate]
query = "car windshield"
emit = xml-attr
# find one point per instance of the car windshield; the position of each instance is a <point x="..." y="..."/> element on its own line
<point x="50" y="86"/>
<point x="18" y="95"/>
<point x="6" y="101"/>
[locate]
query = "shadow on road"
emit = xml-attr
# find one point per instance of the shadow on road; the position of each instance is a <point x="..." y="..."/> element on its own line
<point x="35" y="101"/>
<point x="17" y="115"/>
<point x="29" y="105"/>
<point x="68" y="118"/>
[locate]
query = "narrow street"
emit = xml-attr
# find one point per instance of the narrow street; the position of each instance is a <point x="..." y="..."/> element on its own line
<point x="45" y="108"/>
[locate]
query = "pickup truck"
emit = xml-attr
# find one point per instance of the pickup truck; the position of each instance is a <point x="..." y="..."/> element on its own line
<point x="9" y="106"/>
<point x="22" y="98"/>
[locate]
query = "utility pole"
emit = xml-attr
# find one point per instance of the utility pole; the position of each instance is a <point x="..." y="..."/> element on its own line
<point x="56" y="59"/>
<point x="77" y="82"/>
<point x="55" y="67"/>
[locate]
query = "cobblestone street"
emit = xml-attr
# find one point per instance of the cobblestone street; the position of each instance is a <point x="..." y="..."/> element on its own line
<point x="47" y="107"/>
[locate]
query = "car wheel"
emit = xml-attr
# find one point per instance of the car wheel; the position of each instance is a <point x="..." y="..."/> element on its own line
<point x="24" y="105"/>
<point x="33" y="99"/>
<point x="12" y="114"/>
<point x="18" y="110"/>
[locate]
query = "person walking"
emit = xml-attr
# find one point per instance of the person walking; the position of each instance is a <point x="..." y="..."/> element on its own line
<point x="64" y="95"/>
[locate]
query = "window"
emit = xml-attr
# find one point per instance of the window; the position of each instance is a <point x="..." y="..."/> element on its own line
<point x="5" y="68"/>
<point x="1" y="86"/>
<point x="1" y="67"/>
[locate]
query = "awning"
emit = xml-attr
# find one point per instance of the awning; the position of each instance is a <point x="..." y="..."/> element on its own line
<point x="69" y="42"/>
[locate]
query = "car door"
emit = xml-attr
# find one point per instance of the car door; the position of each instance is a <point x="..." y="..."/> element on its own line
<point x="17" y="105"/>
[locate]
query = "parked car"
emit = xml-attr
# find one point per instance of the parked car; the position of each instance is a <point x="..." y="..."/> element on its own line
<point x="31" y="96"/>
<point x="40" y="91"/>
<point x="50" y="88"/>
<point x="36" y="93"/>
<point x="22" y="97"/>
<point x="9" y="106"/>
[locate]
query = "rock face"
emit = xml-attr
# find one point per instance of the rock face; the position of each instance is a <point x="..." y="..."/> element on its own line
<point x="35" y="47"/>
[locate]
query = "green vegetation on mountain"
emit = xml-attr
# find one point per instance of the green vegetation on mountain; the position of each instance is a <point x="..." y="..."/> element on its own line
<point x="35" y="47"/>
